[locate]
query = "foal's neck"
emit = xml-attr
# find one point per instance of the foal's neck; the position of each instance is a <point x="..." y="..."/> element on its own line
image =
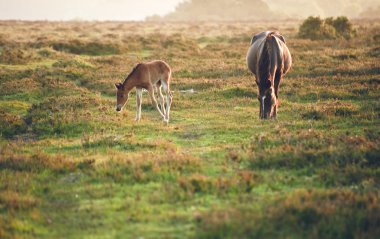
<point x="129" y="84"/>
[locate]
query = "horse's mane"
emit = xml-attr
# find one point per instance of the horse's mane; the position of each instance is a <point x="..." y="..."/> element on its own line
<point x="265" y="62"/>
<point x="132" y="72"/>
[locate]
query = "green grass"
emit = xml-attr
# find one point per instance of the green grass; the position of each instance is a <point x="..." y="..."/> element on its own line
<point x="71" y="166"/>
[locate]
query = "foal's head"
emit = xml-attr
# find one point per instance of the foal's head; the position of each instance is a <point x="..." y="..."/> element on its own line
<point x="122" y="96"/>
<point x="268" y="102"/>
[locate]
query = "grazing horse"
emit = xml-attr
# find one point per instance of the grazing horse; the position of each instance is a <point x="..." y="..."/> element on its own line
<point x="150" y="76"/>
<point x="269" y="60"/>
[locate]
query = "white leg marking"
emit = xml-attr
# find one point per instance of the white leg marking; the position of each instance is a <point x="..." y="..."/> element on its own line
<point x="263" y="102"/>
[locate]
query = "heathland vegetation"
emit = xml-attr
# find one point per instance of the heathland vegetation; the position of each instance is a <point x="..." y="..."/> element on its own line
<point x="72" y="167"/>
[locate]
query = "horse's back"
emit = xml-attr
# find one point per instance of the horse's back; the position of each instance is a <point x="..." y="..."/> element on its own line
<point x="158" y="64"/>
<point x="158" y="70"/>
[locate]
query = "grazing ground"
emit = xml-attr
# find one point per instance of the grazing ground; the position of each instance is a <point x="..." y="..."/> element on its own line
<point x="71" y="167"/>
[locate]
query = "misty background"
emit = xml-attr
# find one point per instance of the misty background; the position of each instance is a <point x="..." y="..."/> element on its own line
<point x="184" y="10"/>
<point x="119" y="10"/>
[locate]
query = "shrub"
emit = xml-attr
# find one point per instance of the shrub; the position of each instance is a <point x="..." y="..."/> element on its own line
<point x="315" y="28"/>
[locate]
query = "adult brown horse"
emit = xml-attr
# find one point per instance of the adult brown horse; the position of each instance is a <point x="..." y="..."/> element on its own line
<point x="269" y="60"/>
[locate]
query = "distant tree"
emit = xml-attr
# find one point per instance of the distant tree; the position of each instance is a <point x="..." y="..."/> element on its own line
<point x="315" y="28"/>
<point x="342" y="25"/>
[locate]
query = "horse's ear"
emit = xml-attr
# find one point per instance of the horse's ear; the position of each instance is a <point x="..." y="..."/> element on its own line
<point x="282" y="38"/>
<point x="118" y="86"/>
<point x="254" y="38"/>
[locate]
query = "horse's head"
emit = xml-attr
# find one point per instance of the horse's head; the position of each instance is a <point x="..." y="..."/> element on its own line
<point x="268" y="103"/>
<point x="122" y="96"/>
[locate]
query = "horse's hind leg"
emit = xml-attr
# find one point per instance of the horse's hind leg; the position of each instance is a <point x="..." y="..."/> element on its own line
<point x="161" y="100"/>
<point x="154" y="101"/>
<point x="169" y="100"/>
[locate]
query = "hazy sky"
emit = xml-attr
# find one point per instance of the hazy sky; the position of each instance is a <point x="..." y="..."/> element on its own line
<point x="84" y="9"/>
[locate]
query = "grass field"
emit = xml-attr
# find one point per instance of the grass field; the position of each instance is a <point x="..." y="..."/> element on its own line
<point x="72" y="167"/>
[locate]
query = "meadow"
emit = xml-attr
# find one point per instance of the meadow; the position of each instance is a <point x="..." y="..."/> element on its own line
<point x="72" y="167"/>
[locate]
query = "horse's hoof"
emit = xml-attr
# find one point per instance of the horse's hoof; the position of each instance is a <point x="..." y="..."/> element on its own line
<point x="166" y="121"/>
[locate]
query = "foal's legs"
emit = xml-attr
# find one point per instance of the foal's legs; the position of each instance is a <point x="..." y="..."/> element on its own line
<point x="154" y="101"/>
<point x="138" y="103"/>
<point x="161" y="99"/>
<point x="169" y="99"/>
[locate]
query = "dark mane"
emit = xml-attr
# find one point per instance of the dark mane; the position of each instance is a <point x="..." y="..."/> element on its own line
<point x="265" y="63"/>
<point x="132" y="72"/>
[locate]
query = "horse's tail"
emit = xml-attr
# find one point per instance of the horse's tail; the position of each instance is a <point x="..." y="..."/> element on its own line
<point x="266" y="61"/>
<point x="270" y="59"/>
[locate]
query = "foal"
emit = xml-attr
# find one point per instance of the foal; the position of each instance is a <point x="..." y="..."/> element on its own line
<point x="150" y="76"/>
